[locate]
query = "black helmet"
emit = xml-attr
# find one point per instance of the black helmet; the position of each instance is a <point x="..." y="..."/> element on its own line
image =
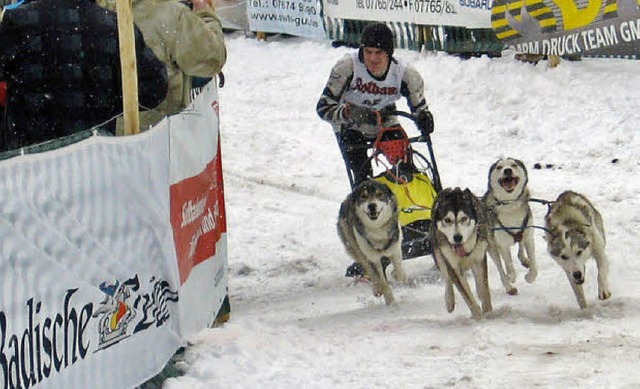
<point x="378" y="35"/>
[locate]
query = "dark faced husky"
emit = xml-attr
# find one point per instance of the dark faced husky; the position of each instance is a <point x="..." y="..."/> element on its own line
<point x="460" y="239"/>
<point x="575" y="233"/>
<point x="507" y="198"/>
<point x="369" y="229"/>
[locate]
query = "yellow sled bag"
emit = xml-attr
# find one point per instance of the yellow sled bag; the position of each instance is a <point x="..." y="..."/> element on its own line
<point x="415" y="197"/>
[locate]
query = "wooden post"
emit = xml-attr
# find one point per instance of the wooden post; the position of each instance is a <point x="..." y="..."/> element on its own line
<point x="128" y="67"/>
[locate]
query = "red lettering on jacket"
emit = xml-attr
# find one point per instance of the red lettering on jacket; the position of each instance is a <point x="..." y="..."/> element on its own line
<point x="373" y="88"/>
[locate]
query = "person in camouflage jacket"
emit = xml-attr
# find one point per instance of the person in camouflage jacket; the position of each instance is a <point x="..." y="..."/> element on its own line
<point x="188" y="38"/>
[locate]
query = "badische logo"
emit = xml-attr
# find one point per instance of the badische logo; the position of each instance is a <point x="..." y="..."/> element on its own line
<point x="50" y="343"/>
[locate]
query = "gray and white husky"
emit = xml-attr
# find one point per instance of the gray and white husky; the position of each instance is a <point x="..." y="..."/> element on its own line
<point x="369" y="229"/>
<point x="575" y="233"/>
<point x="461" y="235"/>
<point x="507" y="198"/>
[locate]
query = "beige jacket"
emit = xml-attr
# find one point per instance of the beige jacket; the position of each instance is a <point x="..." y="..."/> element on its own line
<point x="190" y="43"/>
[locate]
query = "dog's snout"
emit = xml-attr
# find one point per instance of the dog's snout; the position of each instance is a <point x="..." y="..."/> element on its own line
<point x="508" y="172"/>
<point x="371" y="207"/>
<point x="577" y="275"/>
<point x="457" y="238"/>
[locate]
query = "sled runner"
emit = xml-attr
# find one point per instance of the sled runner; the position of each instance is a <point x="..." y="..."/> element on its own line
<point x="410" y="175"/>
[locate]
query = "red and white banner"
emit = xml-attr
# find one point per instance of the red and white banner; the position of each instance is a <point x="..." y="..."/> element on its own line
<point x="113" y="252"/>
<point x="197" y="209"/>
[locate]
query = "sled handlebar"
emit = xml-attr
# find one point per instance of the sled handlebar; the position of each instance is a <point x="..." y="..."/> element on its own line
<point x="420" y="138"/>
<point x="426" y="138"/>
<point x="404" y="114"/>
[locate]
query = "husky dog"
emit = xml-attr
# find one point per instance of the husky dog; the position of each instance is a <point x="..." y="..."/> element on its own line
<point x="369" y="229"/>
<point x="460" y="237"/>
<point x="507" y="198"/>
<point x="574" y="234"/>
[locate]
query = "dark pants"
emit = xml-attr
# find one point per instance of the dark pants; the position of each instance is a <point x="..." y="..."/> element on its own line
<point x="354" y="151"/>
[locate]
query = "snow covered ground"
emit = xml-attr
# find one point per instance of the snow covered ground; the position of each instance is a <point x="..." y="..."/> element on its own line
<point x="297" y="322"/>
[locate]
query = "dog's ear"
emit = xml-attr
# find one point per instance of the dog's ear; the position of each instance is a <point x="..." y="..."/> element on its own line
<point x="583" y="244"/>
<point x="554" y="245"/>
<point x="581" y="239"/>
<point x="522" y="165"/>
<point x="472" y="200"/>
<point x="526" y="173"/>
<point x="470" y="195"/>
<point x="555" y="250"/>
<point x="550" y="234"/>
<point x="435" y="211"/>
<point x="444" y="193"/>
<point x="491" y="169"/>
<point x="494" y="164"/>
<point x="436" y="205"/>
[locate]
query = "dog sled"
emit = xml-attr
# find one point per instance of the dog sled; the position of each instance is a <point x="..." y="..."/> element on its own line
<point x="413" y="177"/>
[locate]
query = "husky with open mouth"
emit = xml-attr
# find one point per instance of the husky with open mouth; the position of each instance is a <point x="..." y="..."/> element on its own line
<point x="460" y="237"/>
<point x="369" y="229"/>
<point x="507" y="198"/>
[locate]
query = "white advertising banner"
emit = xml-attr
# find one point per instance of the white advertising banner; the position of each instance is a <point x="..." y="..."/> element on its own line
<point x="294" y="17"/>
<point x="92" y="290"/>
<point x="462" y="13"/>
<point x="232" y="14"/>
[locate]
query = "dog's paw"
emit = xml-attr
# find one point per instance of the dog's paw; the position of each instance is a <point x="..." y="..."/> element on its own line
<point x="476" y="312"/>
<point x="604" y="294"/>
<point x="389" y="299"/>
<point x="450" y="306"/>
<point x="531" y="275"/>
<point x="512" y="291"/>
<point x="399" y="275"/>
<point x="449" y="300"/>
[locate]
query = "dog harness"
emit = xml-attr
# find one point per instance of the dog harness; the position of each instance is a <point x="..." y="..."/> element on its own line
<point x="517" y="236"/>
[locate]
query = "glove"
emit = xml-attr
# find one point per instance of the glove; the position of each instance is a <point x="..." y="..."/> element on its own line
<point x="360" y="115"/>
<point x="424" y="121"/>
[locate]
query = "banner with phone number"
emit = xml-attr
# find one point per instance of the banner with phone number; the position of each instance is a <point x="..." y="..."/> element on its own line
<point x="293" y="17"/>
<point x="462" y="13"/>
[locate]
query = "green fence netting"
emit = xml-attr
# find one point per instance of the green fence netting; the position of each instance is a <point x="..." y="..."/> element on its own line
<point x="450" y="39"/>
<point x="55" y="143"/>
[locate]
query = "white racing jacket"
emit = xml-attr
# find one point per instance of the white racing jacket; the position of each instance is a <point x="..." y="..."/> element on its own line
<point x="350" y="82"/>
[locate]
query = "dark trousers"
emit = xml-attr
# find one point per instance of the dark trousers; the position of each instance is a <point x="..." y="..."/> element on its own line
<point x="353" y="146"/>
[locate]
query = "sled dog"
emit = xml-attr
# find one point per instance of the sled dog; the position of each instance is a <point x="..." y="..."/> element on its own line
<point x="370" y="232"/>
<point x="574" y="234"/>
<point x="507" y="198"/>
<point x="461" y="235"/>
